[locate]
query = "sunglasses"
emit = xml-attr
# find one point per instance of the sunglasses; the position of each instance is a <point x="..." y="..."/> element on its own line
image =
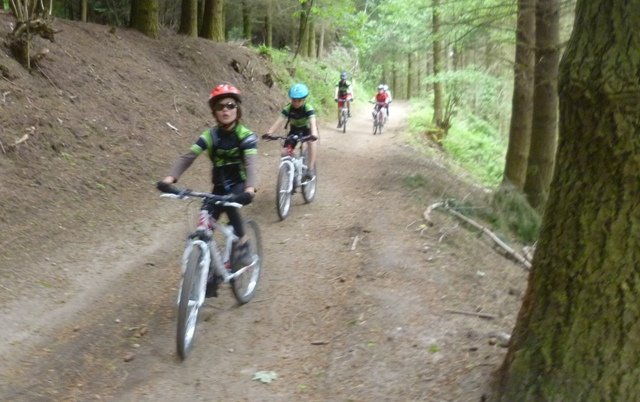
<point x="221" y="106"/>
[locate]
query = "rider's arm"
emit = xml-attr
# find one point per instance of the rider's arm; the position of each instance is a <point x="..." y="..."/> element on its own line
<point x="335" y="94"/>
<point x="277" y="125"/>
<point x="313" y="126"/>
<point x="184" y="161"/>
<point x="249" y="147"/>
<point x="250" y="161"/>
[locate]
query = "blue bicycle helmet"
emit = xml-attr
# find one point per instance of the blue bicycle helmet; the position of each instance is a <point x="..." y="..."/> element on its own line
<point x="343" y="75"/>
<point x="298" y="91"/>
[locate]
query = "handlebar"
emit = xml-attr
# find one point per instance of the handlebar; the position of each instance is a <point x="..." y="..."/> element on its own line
<point x="295" y="137"/>
<point x="227" y="200"/>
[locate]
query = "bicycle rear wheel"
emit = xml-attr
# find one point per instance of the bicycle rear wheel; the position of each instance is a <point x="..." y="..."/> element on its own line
<point x="188" y="305"/>
<point x="309" y="187"/>
<point x="283" y="190"/>
<point x="244" y="285"/>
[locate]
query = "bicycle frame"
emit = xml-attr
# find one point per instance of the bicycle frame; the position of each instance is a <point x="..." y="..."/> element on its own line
<point x="212" y="259"/>
<point x="296" y="167"/>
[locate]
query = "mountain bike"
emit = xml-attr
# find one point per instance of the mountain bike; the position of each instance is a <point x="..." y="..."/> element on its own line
<point x="205" y="259"/>
<point x="379" y="117"/>
<point x="291" y="172"/>
<point x="344" y="114"/>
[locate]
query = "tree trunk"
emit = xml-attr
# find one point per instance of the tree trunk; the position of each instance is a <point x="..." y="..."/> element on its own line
<point x="213" y="20"/>
<point x="409" y="70"/>
<point x="246" y="20"/>
<point x="515" y="170"/>
<point x="320" y="51"/>
<point x="189" y="18"/>
<point x="438" y="60"/>
<point x="303" y="42"/>
<point x="312" y="39"/>
<point x="83" y="10"/>
<point x="545" y="103"/>
<point x="577" y="334"/>
<point x="144" y="17"/>
<point x="268" y="25"/>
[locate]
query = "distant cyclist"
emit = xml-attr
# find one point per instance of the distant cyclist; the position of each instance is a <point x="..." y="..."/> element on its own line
<point x="381" y="99"/>
<point x="343" y="94"/>
<point x="301" y="118"/>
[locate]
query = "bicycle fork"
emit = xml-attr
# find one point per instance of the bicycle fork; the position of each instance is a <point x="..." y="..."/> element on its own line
<point x="205" y="263"/>
<point x="291" y="172"/>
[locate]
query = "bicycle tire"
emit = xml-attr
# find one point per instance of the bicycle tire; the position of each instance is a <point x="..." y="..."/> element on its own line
<point x="309" y="188"/>
<point x="283" y="191"/>
<point x="190" y="293"/>
<point x="375" y="127"/>
<point x="244" y="286"/>
<point x="344" y="123"/>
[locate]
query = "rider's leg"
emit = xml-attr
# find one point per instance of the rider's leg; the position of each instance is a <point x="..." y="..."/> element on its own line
<point x="311" y="154"/>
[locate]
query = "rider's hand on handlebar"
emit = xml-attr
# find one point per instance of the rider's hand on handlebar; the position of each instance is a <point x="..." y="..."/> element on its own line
<point x="266" y="136"/>
<point x="243" y="198"/>
<point x="312" y="137"/>
<point x="166" y="187"/>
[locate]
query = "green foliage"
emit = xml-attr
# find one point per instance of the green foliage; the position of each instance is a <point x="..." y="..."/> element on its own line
<point x="514" y="214"/>
<point x="481" y="154"/>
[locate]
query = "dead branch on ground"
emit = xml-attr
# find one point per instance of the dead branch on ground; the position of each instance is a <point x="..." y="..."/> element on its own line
<point x="445" y="206"/>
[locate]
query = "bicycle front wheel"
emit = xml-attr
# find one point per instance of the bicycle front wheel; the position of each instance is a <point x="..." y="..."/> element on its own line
<point x="191" y="293"/>
<point x="344" y="122"/>
<point x="244" y="285"/>
<point x="283" y="190"/>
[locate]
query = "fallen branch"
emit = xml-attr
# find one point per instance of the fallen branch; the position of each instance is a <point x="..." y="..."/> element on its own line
<point x="471" y="313"/>
<point x="511" y="252"/>
<point x="355" y="242"/>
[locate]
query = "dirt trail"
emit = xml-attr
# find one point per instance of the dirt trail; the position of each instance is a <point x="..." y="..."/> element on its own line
<point x="336" y="319"/>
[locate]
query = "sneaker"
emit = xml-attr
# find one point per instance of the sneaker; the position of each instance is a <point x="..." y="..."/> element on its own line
<point x="309" y="175"/>
<point x="242" y="256"/>
<point x="339" y="125"/>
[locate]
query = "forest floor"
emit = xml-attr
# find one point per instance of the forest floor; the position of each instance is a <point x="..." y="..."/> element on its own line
<point x="359" y="300"/>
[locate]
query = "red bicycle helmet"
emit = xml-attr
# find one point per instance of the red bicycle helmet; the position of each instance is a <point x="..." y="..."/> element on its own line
<point x="222" y="91"/>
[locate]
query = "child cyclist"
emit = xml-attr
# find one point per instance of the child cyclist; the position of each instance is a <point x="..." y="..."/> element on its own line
<point x="301" y="118"/>
<point x="381" y="100"/>
<point x="232" y="149"/>
<point x="343" y="93"/>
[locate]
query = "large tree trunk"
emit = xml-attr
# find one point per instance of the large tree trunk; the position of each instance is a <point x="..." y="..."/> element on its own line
<point x="189" y="18"/>
<point x="438" y="62"/>
<point x="144" y="17"/>
<point x="213" y="21"/>
<point x="303" y="42"/>
<point x="577" y="337"/>
<point x="522" y="102"/>
<point x="545" y="104"/>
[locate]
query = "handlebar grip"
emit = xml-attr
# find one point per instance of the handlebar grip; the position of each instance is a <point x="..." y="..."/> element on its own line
<point x="167" y="188"/>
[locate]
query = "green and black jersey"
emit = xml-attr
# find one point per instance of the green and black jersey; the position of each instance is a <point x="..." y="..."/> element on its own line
<point x="233" y="154"/>
<point x="299" y="118"/>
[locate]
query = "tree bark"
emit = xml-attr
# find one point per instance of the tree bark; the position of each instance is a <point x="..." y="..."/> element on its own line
<point x="213" y="21"/>
<point x="577" y="333"/>
<point x="438" y="62"/>
<point x="268" y="25"/>
<point x="545" y="104"/>
<point x="144" y="17"/>
<point x="189" y="18"/>
<point x="246" y="20"/>
<point x="515" y="170"/>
